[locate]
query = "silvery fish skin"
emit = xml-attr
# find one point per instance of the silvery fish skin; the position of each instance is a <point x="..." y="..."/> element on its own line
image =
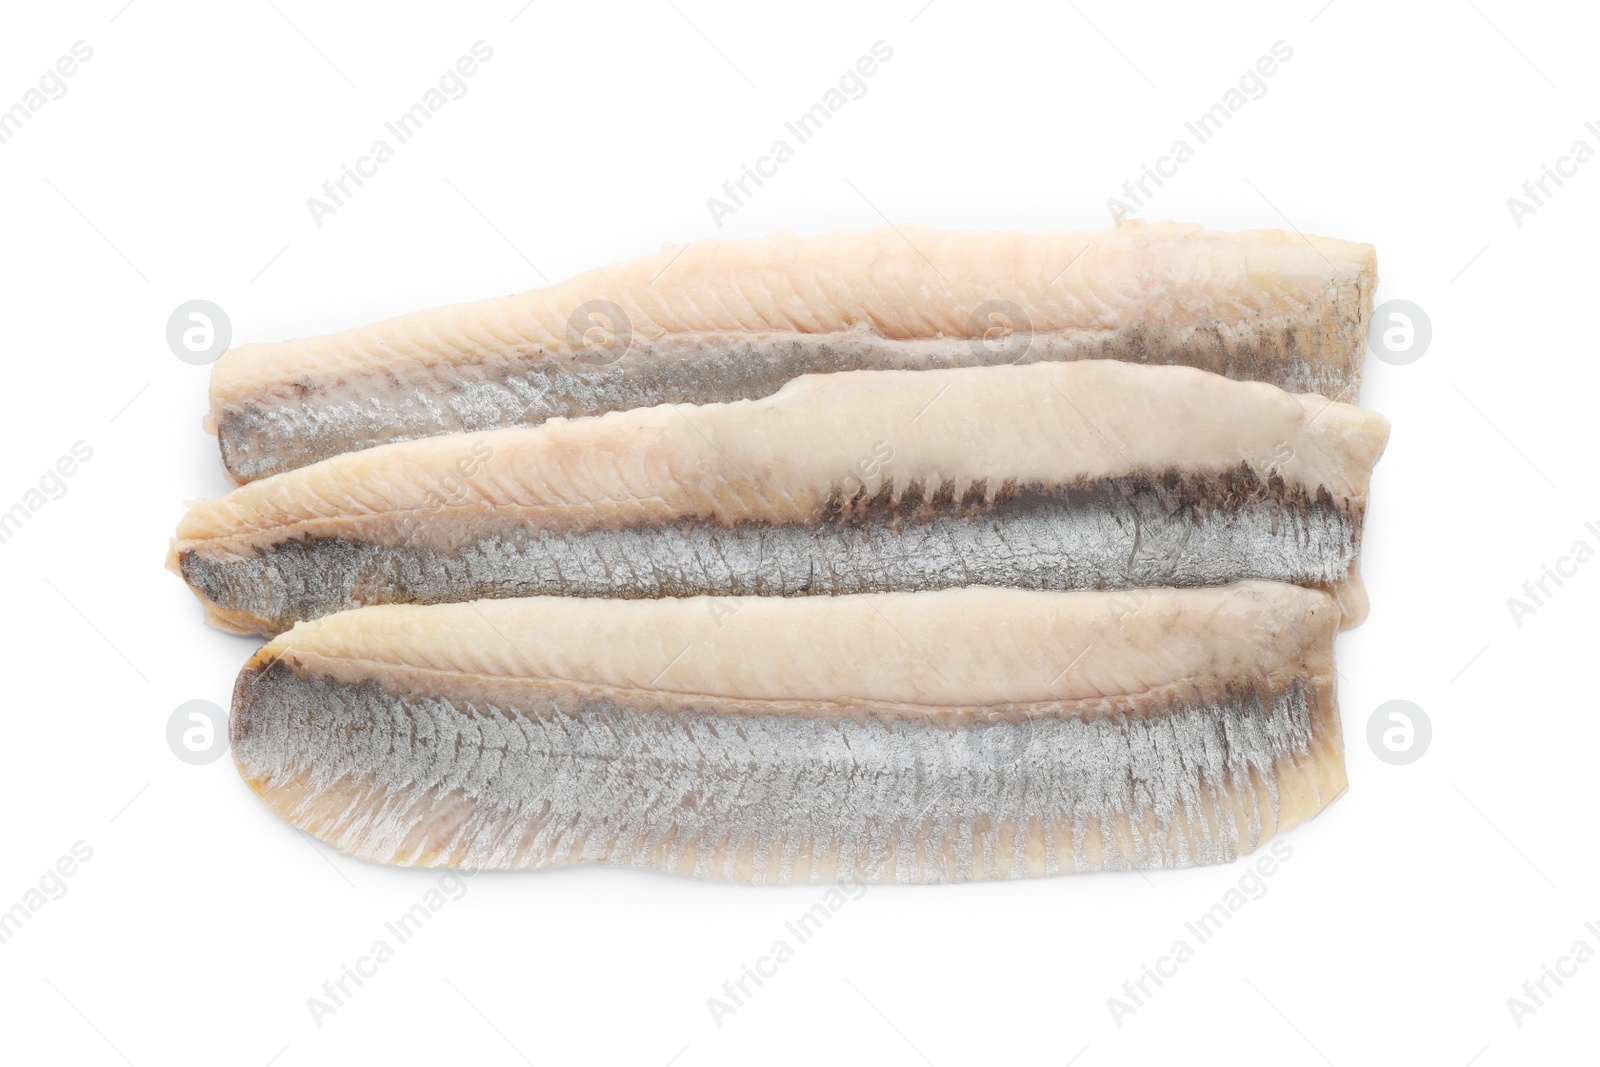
<point x="910" y="737"/>
<point x="719" y="321"/>
<point x="1096" y="474"/>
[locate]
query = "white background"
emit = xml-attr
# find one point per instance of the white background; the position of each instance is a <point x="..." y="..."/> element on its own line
<point x="177" y="166"/>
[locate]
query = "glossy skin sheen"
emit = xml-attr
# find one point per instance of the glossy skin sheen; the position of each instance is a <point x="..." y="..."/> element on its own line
<point x="927" y="737"/>
<point x="1089" y="475"/>
<point x="720" y="321"/>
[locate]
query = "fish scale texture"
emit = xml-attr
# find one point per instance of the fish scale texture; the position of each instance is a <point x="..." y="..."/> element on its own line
<point x="963" y="734"/>
<point x="1109" y="538"/>
<point x="778" y="798"/>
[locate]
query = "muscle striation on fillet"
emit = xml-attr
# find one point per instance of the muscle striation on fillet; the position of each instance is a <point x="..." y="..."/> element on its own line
<point x="719" y="321"/>
<point x="914" y="737"/>
<point x="1054" y="476"/>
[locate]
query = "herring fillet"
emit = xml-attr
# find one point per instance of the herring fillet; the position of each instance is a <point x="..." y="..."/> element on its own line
<point x="913" y="737"/>
<point x="1094" y="474"/>
<point x="719" y="320"/>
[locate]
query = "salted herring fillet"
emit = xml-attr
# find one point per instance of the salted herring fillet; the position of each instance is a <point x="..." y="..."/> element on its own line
<point x="718" y="320"/>
<point x="1095" y="474"/>
<point x="912" y="737"/>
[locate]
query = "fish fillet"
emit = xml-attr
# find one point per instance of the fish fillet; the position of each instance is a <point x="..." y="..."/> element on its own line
<point x="718" y="321"/>
<point x="911" y="737"/>
<point x="1095" y="474"/>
